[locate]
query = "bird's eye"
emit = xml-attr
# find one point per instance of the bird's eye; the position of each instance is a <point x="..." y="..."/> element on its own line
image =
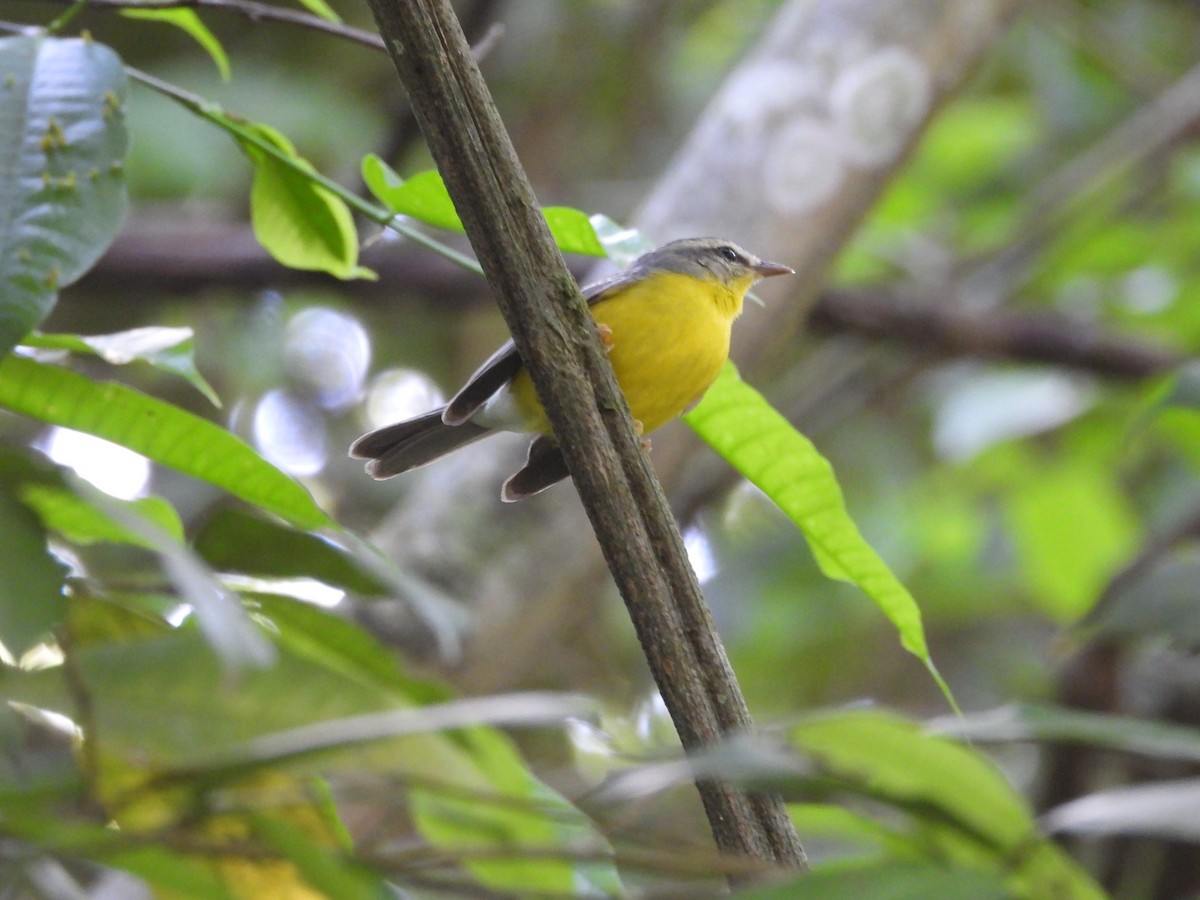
<point x="730" y="254"/>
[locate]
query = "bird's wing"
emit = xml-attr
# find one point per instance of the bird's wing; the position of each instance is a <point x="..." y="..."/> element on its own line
<point x="501" y="366"/>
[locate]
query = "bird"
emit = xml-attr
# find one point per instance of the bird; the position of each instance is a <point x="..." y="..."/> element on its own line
<point x="665" y="323"/>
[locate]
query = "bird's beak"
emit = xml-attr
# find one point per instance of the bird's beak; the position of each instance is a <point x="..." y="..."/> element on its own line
<point x="767" y="269"/>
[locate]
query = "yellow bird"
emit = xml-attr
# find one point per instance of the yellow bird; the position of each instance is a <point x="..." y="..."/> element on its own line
<point x="665" y="322"/>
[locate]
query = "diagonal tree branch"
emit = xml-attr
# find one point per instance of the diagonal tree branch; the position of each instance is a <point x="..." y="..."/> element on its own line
<point x="555" y="336"/>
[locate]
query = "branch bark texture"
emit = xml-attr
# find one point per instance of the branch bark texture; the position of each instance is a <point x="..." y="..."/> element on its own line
<point x="555" y="336"/>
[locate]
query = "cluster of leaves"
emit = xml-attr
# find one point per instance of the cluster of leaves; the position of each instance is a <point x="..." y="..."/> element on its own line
<point x="215" y="734"/>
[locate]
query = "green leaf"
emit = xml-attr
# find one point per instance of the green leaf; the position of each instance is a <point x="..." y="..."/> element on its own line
<point x="737" y="422"/>
<point x="893" y="880"/>
<point x="31" y="579"/>
<point x="827" y="822"/>
<point x="528" y="815"/>
<point x="299" y="222"/>
<point x="82" y="522"/>
<point x="320" y="865"/>
<point x="891" y="758"/>
<point x="972" y="144"/>
<point x="219" y="613"/>
<point x="336" y="645"/>
<point x="62" y="188"/>
<point x="188" y="21"/>
<point x="158" y="430"/>
<point x="958" y="795"/>
<point x="169" y="350"/>
<point x="233" y="541"/>
<point x="572" y="231"/>
<point x="174" y="873"/>
<point x="1073" y="528"/>
<point x="1178" y="423"/>
<point x="322" y="9"/>
<point x="424" y="197"/>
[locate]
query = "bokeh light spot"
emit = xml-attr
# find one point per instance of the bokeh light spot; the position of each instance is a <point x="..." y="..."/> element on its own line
<point x="110" y="467"/>
<point x="327" y="353"/>
<point x="401" y="394"/>
<point x="290" y="433"/>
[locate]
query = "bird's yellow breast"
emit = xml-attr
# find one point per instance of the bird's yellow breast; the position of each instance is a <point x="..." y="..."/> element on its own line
<point x="670" y="337"/>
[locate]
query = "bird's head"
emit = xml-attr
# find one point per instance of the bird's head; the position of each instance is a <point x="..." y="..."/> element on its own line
<point x="712" y="259"/>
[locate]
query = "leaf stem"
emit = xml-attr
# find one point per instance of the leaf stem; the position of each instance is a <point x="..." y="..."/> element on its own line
<point x="65" y="19"/>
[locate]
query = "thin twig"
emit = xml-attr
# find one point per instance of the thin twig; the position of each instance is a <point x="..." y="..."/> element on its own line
<point x="256" y="12"/>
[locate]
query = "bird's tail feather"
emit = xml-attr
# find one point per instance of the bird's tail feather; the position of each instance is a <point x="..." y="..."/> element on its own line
<point x="544" y="467"/>
<point x="413" y="443"/>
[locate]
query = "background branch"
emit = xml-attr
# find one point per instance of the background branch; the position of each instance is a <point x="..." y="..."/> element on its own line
<point x="926" y="326"/>
<point x="157" y="254"/>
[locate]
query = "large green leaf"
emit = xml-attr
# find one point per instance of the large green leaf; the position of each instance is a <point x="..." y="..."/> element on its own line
<point x="237" y="541"/>
<point x="158" y="430"/>
<point x="62" y="188"/>
<point x="424" y="197"/>
<point x="737" y="422"/>
<point x="895" y="880"/>
<point x="81" y="522"/>
<point x="960" y="798"/>
<point x="31" y="580"/>
<point x="234" y="541"/>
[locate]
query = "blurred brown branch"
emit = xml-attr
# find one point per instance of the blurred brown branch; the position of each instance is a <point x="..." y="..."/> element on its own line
<point x="944" y="329"/>
<point x="163" y="255"/>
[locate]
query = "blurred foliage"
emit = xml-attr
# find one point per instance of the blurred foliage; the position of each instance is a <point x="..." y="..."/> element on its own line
<point x="157" y="656"/>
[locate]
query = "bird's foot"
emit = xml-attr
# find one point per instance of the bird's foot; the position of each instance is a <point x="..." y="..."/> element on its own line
<point x="640" y="430"/>
<point x="606" y="336"/>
